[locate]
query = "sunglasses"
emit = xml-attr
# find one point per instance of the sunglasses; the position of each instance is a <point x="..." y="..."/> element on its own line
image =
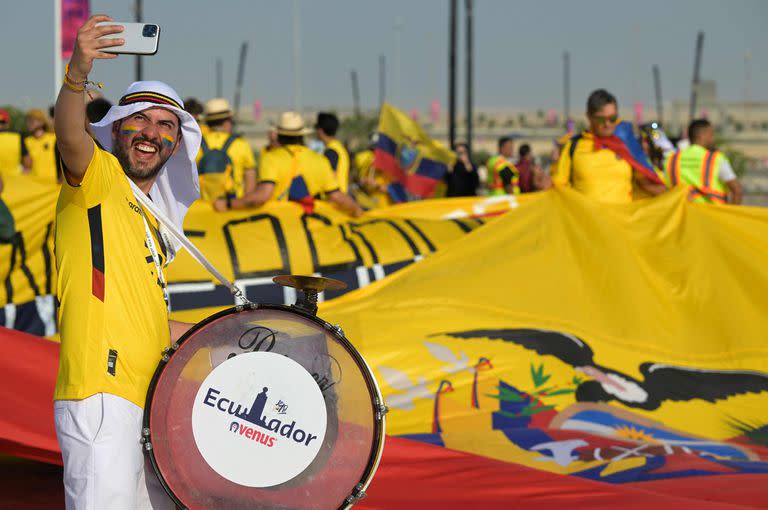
<point x="605" y="120"/>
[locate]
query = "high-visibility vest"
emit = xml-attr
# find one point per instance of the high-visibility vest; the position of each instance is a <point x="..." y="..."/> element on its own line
<point x="698" y="168"/>
<point x="495" y="165"/>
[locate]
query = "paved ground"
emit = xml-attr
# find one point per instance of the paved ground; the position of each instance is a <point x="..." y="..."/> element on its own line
<point x="28" y="485"/>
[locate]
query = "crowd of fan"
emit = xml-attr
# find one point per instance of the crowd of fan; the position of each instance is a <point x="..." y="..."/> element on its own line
<point x="304" y="164"/>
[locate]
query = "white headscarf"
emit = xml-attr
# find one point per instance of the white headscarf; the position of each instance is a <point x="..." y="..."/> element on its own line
<point x="177" y="184"/>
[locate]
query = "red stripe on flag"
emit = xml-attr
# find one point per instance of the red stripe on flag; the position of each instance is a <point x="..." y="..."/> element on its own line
<point x="420" y="186"/>
<point x="415" y="184"/>
<point x="387" y="163"/>
<point x="97" y="284"/>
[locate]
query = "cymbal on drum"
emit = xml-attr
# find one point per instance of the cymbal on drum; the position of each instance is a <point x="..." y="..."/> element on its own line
<point x="309" y="283"/>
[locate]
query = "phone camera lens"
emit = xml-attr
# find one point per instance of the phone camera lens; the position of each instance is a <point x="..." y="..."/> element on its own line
<point x="149" y="31"/>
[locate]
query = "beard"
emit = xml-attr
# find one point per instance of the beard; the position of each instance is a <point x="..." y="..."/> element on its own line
<point x="139" y="172"/>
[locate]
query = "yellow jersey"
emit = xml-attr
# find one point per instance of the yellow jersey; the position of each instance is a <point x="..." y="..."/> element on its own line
<point x="338" y="157"/>
<point x="280" y="165"/>
<point x="113" y="318"/>
<point x="12" y="148"/>
<point x="214" y="186"/>
<point x="600" y="175"/>
<point x="42" y="150"/>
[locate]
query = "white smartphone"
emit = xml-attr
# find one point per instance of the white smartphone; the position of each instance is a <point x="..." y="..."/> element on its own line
<point x="140" y="38"/>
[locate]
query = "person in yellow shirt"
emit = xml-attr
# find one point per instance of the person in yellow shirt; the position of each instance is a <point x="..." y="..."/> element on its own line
<point x="110" y="258"/>
<point x="14" y="156"/>
<point x="226" y="164"/>
<point x="326" y="127"/>
<point x="372" y="192"/>
<point x="41" y="144"/>
<point x="595" y="163"/>
<point x="291" y="171"/>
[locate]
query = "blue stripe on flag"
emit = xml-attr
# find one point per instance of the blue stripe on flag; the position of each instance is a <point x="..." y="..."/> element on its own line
<point x="432" y="169"/>
<point x="387" y="144"/>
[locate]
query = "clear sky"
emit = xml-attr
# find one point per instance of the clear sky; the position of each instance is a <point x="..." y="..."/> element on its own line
<point x="519" y="46"/>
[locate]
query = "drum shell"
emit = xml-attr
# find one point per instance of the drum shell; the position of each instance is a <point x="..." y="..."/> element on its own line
<point x="355" y="428"/>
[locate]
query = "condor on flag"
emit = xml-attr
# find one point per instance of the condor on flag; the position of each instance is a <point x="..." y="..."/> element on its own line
<point x="415" y="162"/>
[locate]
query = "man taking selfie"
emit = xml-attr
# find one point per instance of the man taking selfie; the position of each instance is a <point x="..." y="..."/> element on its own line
<point x="110" y="255"/>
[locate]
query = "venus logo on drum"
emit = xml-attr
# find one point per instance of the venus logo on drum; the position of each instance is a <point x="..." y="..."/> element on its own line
<point x="259" y="405"/>
<point x="252" y="433"/>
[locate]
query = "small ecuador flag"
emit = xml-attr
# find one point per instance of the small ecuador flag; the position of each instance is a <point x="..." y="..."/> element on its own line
<point x="407" y="155"/>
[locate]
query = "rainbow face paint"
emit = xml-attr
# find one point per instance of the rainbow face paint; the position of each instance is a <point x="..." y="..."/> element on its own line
<point x="167" y="141"/>
<point x="129" y="129"/>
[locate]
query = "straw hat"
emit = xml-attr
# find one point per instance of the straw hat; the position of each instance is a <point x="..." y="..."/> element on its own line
<point x="41" y="117"/>
<point x="217" y="109"/>
<point x="291" y="124"/>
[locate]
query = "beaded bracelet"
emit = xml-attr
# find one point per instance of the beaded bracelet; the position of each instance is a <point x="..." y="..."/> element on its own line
<point x="79" y="86"/>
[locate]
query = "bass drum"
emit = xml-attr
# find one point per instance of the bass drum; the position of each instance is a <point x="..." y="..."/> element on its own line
<point x="264" y="407"/>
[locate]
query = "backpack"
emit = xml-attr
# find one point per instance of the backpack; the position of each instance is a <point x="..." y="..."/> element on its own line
<point x="215" y="161"/>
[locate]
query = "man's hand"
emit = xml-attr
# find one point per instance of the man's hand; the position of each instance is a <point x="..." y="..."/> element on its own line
<point x="651" y="187"/>
<point x="220" y="205"/>
<point x="88" y="46"/>
<point x="541" y="179"/>
<point x="73" y="140"/>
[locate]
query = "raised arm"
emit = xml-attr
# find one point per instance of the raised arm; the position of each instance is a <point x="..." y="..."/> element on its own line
<point x="75" y="145"/>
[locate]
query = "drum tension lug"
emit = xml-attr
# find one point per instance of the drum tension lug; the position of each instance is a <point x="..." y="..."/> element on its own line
<point x="381" y="411"/>
<point x="145" y="439"/>
<point x="357" y="494"/>
<point x="337" y="329"/>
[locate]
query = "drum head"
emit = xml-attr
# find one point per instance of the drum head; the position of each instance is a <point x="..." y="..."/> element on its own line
<point x="264" y="408"/>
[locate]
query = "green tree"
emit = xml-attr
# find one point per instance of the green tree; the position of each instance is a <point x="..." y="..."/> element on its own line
<point x="356" y="130"/>
<point x="18" y="119"/>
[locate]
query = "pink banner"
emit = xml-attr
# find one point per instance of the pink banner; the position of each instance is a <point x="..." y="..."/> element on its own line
<point x="551" y="117"/>
<point x="639" y="112"/>
<point x="73" y="14"/>
<point x="434" y="111"/>
<point x="256" y="110"/>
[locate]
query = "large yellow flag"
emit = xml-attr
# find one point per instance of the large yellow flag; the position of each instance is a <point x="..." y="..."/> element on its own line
<point x="605" y="341"/>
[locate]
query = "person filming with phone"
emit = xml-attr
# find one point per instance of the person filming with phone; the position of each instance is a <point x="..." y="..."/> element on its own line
<point x="110" y="256"/>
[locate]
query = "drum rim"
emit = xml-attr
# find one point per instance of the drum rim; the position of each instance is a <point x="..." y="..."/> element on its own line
<point x="379" y="408"/>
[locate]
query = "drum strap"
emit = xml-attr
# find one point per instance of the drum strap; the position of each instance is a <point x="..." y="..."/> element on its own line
<point x="196" y="254"/>
<point x="150" y="242"/>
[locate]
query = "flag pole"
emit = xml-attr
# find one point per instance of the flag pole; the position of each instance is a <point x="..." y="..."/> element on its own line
<point x="695" y="80"/>
<point x="139" y="12"/>
<point x="239" y="80"/>
<point x="657" y="89"/>
<point x="355" y="93"/>
<point x="57" y="61"/>
<point x="469" y="76"/>
<point x="452" y="75"/>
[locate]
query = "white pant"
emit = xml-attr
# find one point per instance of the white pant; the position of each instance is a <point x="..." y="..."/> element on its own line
<point x="104" y="466"/>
